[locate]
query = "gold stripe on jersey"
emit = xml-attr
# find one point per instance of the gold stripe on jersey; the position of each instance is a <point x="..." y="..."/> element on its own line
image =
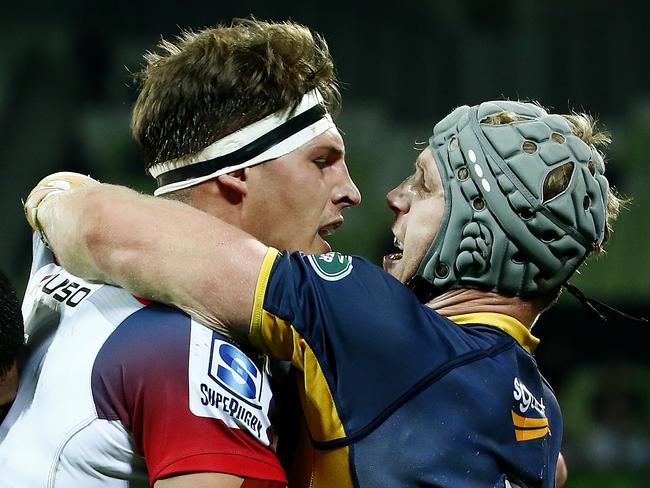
<point x="278" y="338"/>
<point x="260" y="290"/>
<point x="506" y="323"/>
<point x="530" y="434"/>
<point x="528" y="422"/>
<point x="529" y="428"/>
<point x="317" y="468"/>
<point x="281" y="340"/>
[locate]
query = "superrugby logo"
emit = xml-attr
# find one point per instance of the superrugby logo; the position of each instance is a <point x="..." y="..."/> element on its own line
<point x="332" y="266"/>
<point x="225" y="384"/>
<point x="235" y="372"/>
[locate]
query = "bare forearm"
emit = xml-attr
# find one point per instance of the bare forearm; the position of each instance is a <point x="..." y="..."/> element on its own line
<point x="158" y="249"/>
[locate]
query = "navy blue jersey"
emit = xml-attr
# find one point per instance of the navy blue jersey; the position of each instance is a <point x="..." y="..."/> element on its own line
<point x="394" y="394"/>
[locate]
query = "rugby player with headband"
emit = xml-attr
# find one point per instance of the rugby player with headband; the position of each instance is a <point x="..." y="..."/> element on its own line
<point x="270" y="138"/>
<point x="430" y="384"/>
<point x="233" y="121"/>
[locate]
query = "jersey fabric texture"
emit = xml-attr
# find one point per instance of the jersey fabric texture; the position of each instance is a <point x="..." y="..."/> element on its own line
<point x="394" y="394"/>
<point x="118" y="392"/>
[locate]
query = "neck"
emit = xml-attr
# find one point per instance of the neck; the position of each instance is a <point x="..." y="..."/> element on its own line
<point x="465" y="300"/>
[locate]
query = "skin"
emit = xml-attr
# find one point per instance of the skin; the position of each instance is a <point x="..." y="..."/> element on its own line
<point x="561" y="472"/>
<point x="301" y="196"/>
<point x="130" y="258"/>
<point x="293" y="202"/>
<point x="418" y="204"/>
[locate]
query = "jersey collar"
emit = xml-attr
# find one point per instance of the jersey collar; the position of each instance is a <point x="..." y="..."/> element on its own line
<point x="506" y="323"/>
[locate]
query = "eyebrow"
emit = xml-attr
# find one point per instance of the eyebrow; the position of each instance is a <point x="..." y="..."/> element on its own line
<point x="331" y="146"/>
<point x="337" y="150"/>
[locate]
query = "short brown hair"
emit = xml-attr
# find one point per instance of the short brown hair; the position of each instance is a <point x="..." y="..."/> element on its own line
<point x="215" y="81"/>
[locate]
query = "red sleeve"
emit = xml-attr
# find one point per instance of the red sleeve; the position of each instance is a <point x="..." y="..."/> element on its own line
<point x="175" y="445"/>
<point x="181" y="390"/>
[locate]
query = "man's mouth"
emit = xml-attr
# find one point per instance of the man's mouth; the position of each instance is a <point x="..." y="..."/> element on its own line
<point x="330" y="229"/>
<point x="396" y="256"/>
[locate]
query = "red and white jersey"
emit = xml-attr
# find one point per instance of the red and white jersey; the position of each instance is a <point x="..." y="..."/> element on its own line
<point x="117" y="392"/>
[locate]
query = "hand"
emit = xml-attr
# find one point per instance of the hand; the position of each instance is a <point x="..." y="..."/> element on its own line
<point x="51" y="185"/>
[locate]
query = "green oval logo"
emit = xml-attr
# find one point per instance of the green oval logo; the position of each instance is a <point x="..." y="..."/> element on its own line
<point x="331" y="266"/>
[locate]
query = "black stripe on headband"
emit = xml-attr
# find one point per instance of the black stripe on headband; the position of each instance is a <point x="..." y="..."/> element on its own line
<point x="249" y="151"/>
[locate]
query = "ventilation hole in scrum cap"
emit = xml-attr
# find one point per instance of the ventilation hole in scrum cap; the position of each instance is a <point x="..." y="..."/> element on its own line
<point x="559" y="138"/>
<point x="442" y="270"/>
<point x="478" y="204"/>
<point x="557" y="180"/>
<point x="518" y="258"/>
<point x="453" y="144"/>
<point x="586" y="202"/>
<point x="529" y="147"/>
<point x="592" y="168"/>
<point x="549" y="236"/>
<point x="526" y="214"/>
<point x="463" y="173"/>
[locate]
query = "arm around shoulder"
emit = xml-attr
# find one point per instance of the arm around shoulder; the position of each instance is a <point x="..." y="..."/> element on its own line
<point x="158" y="249"/>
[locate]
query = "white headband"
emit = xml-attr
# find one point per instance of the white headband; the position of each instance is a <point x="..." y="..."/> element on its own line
<point x="269" y="138"/>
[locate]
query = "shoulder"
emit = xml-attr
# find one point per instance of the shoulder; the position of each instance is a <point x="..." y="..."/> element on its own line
<point x="332" y="281"/>
<point x="153" y="340"/>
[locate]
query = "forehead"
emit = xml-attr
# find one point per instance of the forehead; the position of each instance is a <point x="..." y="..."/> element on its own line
<point x="330" y="140"/>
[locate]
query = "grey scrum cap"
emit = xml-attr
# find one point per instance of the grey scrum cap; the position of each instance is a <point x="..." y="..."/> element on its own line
<point x="507" y="227"/>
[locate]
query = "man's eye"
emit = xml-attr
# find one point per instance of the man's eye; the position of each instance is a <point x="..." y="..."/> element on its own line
<point x="321" y="162"/>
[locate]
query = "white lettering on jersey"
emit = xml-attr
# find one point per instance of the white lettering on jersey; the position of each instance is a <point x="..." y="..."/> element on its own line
<point x="526" y="398"/>
<point x="55" y="286"/>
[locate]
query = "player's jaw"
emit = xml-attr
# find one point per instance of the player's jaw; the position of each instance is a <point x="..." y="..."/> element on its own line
<point x="403" y="262"/>
<point x="411" y="240"/>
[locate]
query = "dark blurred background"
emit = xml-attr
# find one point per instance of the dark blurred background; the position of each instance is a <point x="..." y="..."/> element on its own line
<point x="66" y="94"/>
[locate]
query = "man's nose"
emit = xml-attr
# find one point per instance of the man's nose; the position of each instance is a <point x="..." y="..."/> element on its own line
<point x="397" y="201"/>
<point x="346" y="192"/>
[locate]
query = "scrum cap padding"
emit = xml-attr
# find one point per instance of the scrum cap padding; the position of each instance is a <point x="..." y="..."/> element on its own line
<point x="525" y="201"/>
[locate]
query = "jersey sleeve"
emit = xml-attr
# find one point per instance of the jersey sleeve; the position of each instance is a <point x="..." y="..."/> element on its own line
<point x="177" y="387"/>
<point x="357" y="334"/>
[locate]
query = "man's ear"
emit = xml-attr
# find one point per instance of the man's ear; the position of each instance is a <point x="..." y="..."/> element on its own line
<point x="233" y="185"/>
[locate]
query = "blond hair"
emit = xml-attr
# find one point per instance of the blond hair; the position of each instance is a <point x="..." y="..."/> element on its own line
<point x="213" y="82"/>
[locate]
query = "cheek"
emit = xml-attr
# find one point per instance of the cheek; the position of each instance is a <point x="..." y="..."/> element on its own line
<point x="436" y="218"/>
<point x="426" y="223"/>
